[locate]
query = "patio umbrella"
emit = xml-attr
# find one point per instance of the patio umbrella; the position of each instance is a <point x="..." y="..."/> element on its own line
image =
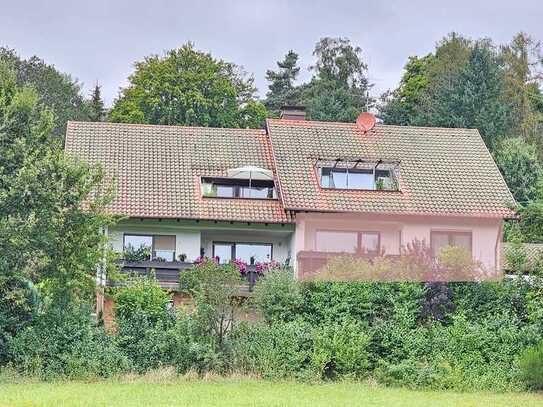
<point x="250" y="172"/>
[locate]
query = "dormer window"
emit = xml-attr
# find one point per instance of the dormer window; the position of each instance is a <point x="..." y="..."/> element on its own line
<point x="358" y="175"/>
<point x="244" y="182"/>
<point x="238" y="188"/>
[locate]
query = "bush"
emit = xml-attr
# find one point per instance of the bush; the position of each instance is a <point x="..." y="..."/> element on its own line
<point x="278" y="295"/>
<point x="340" y="349"/>
<point x="145" y="341"/>
<point x="65" y="343"/>
<point x="276" y="351"/>
<point x="142" y="296"/>
<point x="214" y="288"/>
<point x="531" y="367"/>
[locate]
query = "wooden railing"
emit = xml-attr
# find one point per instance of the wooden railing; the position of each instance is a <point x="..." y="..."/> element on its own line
<point x="167" y="272"/>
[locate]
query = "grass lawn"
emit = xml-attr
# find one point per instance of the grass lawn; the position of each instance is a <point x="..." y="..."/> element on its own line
<point x="241" y="392"/>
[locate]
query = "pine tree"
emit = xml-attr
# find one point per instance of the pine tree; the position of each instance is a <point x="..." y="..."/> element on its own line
<point x="96" y="105"/>
<point x="283" y="91"/>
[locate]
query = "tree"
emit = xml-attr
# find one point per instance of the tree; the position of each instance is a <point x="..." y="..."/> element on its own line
<point x="339" y="88"/>
<point x="402" y="106"/>
<point x="473" y="98"/>
<point x="51" y="216"/>
<point x="282" y="90"/>
<point x="522" y="81"/>
<point x="55" y="90"/>
<point x="188" y="87"/>
<point x="518" y="162"/>
<point x="96" y="105"/>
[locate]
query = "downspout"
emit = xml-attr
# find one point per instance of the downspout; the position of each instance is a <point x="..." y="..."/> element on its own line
<point x="101" y="280"/>
<point x="497" y="252"/>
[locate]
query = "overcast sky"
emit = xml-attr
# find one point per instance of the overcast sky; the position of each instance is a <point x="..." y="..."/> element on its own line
<point x="99" y="40"/>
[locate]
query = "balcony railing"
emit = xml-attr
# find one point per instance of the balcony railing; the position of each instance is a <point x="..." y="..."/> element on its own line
<point x="167" y="272"/>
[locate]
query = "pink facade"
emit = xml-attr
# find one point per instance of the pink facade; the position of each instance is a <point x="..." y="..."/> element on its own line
<point x="483" y="234"/>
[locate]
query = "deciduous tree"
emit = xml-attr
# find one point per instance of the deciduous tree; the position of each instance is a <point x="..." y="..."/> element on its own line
<point x="189" y="87"/>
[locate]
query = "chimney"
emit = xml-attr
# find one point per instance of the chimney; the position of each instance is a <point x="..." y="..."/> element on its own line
<point x="293" y="112"/>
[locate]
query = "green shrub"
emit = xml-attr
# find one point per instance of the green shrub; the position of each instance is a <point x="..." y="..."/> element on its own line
<point x="145" y="341"/>
<point x="195" y="352"/>
<point x="276" y="351"/>
<point x="142" y="296"/>
<point x="340" y="349"/>
<point x="531" y="366"/>
<point x="278" y="296"/>
<point x="65" y="343"/>
<point x="362" y="301"/>
<point x="414" y="374"/>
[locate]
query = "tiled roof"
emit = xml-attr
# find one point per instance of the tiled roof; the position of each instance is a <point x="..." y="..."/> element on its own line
<point x="442" y="171"/>
<point x="157" y="168"/>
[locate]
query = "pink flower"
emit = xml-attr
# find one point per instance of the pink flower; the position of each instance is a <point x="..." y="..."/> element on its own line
<point x="241" y="266"/>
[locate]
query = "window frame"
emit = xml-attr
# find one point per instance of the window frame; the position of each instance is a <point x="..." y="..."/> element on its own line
<point x="233" y="247"/>
<point x="152" y="236"/>
<point x="375" y="173"/>
<point x="359" y="234"/>
<point x="450" y="234"/>
<point x="237" y="187"/>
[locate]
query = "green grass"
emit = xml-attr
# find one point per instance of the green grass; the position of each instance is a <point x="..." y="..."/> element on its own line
<point x="241" y="392"/>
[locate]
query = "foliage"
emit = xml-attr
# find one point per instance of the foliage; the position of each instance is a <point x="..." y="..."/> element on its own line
<point x="278" y="295"/>
<point x="276" y="351"/>
<point x="97" y="111"/>
<point x="520" y="166"/>
<point x="282" y="90"/>
<point x="466" y="83"/>
<point x="214" y="287"/>
<point x="531" y="366"/>
<point x="339" y="88"/>
<point x="529" y="227"/>
<point x="51" y="207"/>
<point x="401" y="106"/>
<point x="188" y="87"/>
<point x="19" y="303"/>
<point x="142" y="295"/>
<point x="54" y="90"/>
<point x="141" y="253"/>
<point x="523" y="79"/>
<point x="341" y="349"/>
<point x="63" y="342"/>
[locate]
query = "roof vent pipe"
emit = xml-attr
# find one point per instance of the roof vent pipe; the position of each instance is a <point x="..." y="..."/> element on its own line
<point x="293" y="112"/>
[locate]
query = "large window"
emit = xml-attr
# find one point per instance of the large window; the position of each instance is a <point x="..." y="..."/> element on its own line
<point x="155" y="247"/>
<point x="347" y="242"/>
<point x="247" y="252"/>
<point x="352" y="178"/>
<point x="238" y="188"/>
<point x="441" y="239"/>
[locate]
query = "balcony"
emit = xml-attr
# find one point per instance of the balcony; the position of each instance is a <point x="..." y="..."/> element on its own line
<point x="167" y="273"/>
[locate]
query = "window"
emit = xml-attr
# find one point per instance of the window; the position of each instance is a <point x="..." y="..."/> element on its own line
<point x="159" y="247"/>
<point x="258" y="252"/>
<point x="441" y="239"/>
<point x="164" y="247"/>
<point x="347" y="242"/>
<point x="352" y="178"/>
<point x="238" y="188"/>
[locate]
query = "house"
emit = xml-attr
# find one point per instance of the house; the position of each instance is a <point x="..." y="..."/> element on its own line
<point x="297" y="189"/>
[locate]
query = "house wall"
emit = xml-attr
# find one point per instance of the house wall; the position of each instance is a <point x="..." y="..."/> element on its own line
<point x="191" y="236"/>
<point x="398" y="231"/>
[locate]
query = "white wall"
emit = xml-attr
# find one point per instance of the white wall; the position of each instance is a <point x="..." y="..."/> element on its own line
<point x="186" y="241"/>
<point x="190" y="236"/>
<point x="279" y="240"/>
